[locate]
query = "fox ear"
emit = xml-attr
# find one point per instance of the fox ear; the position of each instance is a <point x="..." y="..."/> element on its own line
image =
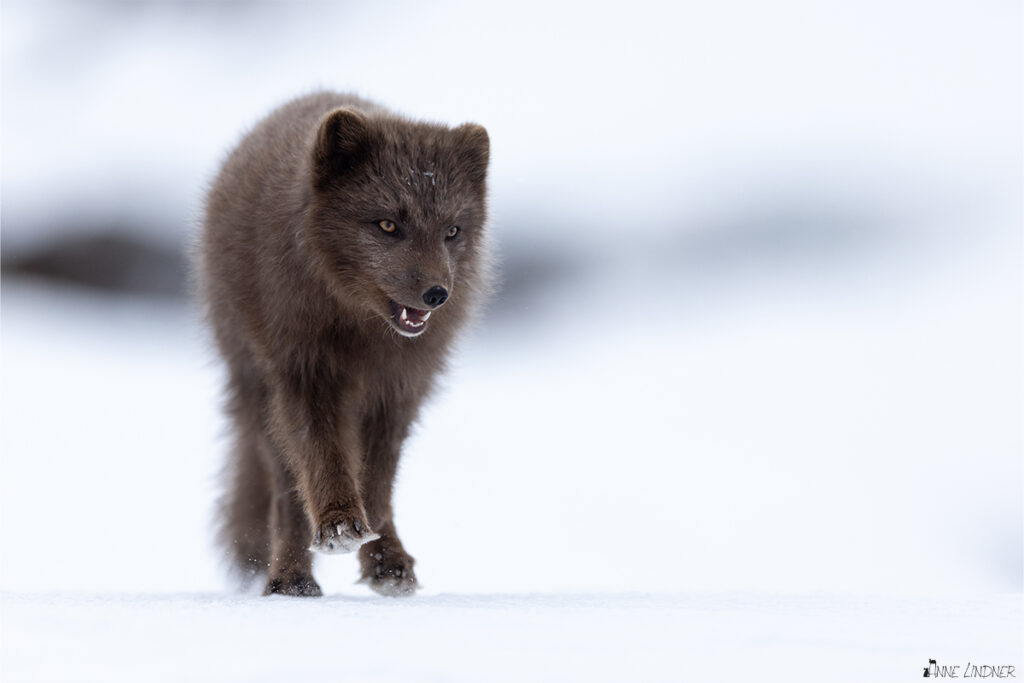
<point x="342" y="141"/>
<point x="474" y="150"/>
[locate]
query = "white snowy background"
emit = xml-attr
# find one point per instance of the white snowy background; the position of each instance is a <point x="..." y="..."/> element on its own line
<point x="750" y="406"/>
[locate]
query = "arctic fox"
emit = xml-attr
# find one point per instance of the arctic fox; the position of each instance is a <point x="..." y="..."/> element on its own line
<point x="343" y="247"/>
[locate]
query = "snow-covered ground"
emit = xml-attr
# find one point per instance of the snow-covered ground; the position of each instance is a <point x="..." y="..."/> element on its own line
<point x="506" y="637"/>
<point x="807" y="476"/>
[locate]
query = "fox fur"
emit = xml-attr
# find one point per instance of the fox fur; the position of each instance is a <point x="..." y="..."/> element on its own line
<point x="342" y="250"/>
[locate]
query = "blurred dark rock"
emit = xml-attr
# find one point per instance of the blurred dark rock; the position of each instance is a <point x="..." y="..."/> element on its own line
<point x="527" y="271"/>
<point x="111" y="262"/>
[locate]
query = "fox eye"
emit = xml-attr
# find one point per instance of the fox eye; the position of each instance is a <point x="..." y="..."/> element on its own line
<point x="452" y="232"/>
<point x="387" y="226"/>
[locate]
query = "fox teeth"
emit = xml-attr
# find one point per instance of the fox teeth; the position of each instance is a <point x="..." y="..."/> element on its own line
<point x="404" y="315"/>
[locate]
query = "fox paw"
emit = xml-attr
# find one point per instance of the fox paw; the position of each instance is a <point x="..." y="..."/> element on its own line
<point x="388" y="571"/>
<point x="299" y="585"/>
<point x="342" y="534"/>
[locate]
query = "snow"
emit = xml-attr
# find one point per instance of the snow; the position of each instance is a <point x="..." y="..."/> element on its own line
<point x="506" y="637"/>
<point x="775" y="478"/>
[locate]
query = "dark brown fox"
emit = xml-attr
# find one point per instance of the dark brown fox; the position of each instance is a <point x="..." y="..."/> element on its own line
<point x="343" y="247"/>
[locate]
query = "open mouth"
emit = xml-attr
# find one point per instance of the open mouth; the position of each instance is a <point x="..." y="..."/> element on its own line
<point x="408" y="321"/>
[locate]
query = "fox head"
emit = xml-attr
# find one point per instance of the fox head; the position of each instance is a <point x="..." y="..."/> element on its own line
<point x="397" y="223"/>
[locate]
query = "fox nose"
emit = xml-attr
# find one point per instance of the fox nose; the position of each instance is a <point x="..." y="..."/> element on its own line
<point x="435" y="296"/>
